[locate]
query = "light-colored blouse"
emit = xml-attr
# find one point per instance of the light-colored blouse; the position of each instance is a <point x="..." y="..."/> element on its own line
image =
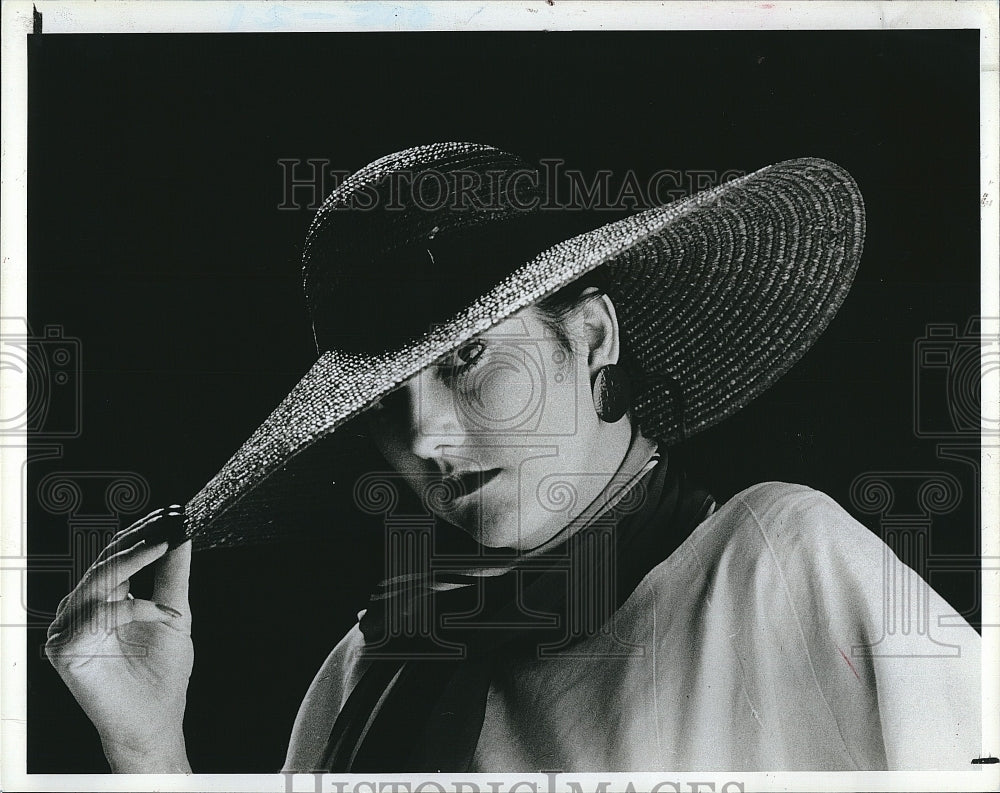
<point x="771" y="639"/>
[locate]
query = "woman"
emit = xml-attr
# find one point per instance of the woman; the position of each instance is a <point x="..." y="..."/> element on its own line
<point x="608" y="615"/>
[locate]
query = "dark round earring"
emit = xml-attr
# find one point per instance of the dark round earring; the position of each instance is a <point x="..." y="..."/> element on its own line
<point x="611" y="393"/>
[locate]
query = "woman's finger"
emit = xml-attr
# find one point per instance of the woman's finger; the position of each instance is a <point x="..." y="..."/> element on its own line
<point x="62" y="605"/>
<point x="129" y="535"/>
<point x="57" y="625"/>
<point x="129" y="551"/>
<point x="147" y="528"/>
<point x="66" y="647"/>
<point x="122" y="612"/>
<point x="104" y="577"/>
<point x="171" y="576"/>
<point x="120" y="592"/>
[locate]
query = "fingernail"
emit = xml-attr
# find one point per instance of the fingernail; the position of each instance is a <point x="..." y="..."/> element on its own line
<point x="169" y="610"/>
<point x="169" y="529"/>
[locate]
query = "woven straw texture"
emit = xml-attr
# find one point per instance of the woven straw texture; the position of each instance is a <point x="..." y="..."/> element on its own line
<point x="720" y="292"/>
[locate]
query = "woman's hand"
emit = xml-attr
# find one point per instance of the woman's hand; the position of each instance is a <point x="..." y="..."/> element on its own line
<point x="127" y="661"/>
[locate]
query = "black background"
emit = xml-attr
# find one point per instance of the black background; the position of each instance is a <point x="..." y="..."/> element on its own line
<point x="155" y="239"/>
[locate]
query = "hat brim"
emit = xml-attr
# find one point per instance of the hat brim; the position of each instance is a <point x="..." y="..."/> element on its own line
<point x="725" y="289"/>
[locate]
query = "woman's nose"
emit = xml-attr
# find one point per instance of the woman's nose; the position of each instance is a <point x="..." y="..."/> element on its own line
<point x="434" y="420"/>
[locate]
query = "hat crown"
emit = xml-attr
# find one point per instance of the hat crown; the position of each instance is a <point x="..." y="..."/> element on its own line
<point x="456" y="218"/>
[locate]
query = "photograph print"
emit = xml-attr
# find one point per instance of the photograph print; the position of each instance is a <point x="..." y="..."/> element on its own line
<point x="504" y="402"/>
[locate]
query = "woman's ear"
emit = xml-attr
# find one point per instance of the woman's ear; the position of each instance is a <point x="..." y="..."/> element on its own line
<point x="599" y="326"/>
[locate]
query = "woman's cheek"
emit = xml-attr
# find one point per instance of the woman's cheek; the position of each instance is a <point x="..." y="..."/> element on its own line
<point x="504" y="395"/>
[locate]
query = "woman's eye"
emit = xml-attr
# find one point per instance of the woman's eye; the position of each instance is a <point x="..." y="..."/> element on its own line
<point x="469" y="353"/>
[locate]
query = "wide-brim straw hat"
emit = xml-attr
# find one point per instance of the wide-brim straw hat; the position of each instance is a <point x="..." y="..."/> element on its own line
<point x="717" y="294"/>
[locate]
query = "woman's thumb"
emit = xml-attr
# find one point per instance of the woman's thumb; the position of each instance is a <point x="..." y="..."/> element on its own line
<point x="122" y="612"/>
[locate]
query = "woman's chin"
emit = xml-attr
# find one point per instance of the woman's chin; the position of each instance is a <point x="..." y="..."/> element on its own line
<point x="490" y="531"/>
<point x="490" y="534"/>
<point x="495" y="519"/>
<point x="502" y="533"/>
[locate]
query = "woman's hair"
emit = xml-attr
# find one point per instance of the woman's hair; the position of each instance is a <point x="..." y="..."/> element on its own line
<point x="558" y="307"/>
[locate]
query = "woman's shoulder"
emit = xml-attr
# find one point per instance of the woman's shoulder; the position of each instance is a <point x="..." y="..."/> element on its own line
<point x="770" y="505"/>
<point x="783" y="523"/>
<point x="771" y="538"/>
<point x="783" y="593"/>
<point x="790" y="556"/>
<point x="323" y="701"/>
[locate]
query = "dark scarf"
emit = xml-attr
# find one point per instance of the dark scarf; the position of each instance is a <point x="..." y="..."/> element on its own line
<point x="419" y="707"/>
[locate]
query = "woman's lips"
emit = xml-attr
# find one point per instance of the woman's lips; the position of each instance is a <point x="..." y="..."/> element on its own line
<point x="465" y="484"/>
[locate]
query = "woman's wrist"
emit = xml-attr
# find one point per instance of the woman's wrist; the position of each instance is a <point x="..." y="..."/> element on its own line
<point x="167" y="757"/>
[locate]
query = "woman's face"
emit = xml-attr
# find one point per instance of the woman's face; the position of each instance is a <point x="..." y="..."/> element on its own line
<point x="502" y="439"/>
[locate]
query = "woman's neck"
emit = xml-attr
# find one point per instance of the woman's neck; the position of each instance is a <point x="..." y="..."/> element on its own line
<point x="640" y="454"/>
